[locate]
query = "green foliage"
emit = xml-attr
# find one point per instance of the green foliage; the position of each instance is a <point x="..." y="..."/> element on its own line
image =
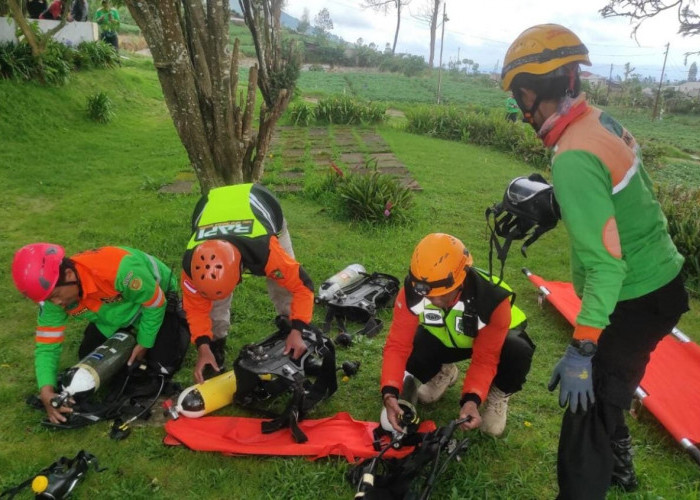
<point x="682" y="208"/>
<point x="479" y="128"/>
<point x="57" y="61"/>
<point x="373" y="197"/>
<point x="97" y="55"/>
<point x="344" y="110"/>
<point x="16" y="61"/>
<point x="407" y="64"/>
<point x="100" y="108"/>
<point x="302" y="113"/>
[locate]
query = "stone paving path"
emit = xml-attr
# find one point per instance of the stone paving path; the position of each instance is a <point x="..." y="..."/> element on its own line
<point x="293" y="149"/>
<point x="353" y="150"/>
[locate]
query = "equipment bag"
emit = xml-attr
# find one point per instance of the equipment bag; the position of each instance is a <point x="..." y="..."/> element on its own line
<point x="263" y="371"/>
<point x="360" y="303"/>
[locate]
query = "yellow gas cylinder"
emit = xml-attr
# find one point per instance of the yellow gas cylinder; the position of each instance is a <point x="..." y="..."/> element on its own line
<point x="201" y="399"/>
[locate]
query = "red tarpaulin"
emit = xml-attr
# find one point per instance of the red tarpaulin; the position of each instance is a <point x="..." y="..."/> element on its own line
<point x="670" y="388"/>
<point x="337" y="435"/>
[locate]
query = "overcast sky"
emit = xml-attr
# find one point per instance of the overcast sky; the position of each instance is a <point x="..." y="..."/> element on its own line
<point x="482" y="31"/>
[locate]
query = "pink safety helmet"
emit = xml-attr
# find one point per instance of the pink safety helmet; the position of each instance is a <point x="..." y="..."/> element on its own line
<point x="36" y="269"/>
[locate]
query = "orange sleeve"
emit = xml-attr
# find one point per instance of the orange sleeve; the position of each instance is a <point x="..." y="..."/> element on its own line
<point x="286" y="271"/>
<point x="197" y="309"/>
<point x="486" y="352"/>
<point x="399" y="343"/>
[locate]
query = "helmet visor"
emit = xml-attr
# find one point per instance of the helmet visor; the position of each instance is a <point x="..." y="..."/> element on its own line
<point x="424" y="287"/>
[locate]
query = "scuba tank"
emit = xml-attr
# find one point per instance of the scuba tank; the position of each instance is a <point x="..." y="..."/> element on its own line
<point x="201" y="399"/>
<point x="96" y="368"/>
<point x="336" y="286"/>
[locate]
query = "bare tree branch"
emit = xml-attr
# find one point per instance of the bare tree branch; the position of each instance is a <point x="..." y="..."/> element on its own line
<point x="638" y="11"/>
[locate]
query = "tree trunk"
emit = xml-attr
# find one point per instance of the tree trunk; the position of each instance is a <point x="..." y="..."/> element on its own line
<point x="433" y="30"/>
<point x="398" y="25"/>
<point x="189" y="41"/>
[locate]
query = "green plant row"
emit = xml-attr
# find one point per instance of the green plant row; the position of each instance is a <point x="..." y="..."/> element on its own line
<point x="480" y="128"/>
<point x="682" y="208"/>
<point x="339" y="110"/>
<point x="56" y="63"/>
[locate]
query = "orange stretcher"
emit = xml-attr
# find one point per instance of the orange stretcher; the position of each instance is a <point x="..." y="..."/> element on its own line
<point x="676" y="406"/>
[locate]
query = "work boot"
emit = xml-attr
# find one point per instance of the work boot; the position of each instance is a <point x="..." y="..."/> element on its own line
<point x="434" y="389"/>
<point x="218" y="349"/>
<point x="494" y="412"/>
<point x="623" y="474"/>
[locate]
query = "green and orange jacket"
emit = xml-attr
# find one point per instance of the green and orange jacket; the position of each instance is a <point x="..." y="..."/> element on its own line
<point x="479" y="322"/>
<point x="119" y="287"/>
<point x="620" y="246"/>
<point x="249" y="217"/>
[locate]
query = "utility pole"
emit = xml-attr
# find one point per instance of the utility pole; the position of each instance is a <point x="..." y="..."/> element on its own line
<point x="658" y="92"/>
<point x="609" y="83"/>
<point x="442" y="38"/>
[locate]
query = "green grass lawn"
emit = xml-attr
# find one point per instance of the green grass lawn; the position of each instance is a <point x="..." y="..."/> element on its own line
<point x="82" y="184"/>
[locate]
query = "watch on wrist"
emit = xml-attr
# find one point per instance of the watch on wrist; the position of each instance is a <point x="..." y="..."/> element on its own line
<point x="585" y="347"/>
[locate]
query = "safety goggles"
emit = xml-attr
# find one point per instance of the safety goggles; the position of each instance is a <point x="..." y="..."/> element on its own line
<point x="424" y="287"/>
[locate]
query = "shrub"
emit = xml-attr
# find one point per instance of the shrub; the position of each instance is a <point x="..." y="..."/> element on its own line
<point x="96" y="55"/>
<point x="682" y="208"/>
<point x="345" y="110"/>
<point x="99" y="107"/>
<point x="478" y="127"/>
<point x="374" y="198"/>
<point x="57" y="62"/>
<point x="302" y="113"/>
<point x="16" y="61"/>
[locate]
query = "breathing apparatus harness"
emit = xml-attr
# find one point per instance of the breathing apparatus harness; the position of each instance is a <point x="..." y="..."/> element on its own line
<point x="360" y="303"/>
<point x="263" y="371"/>
<point x="528" y="210"/>
<point x="410" y="477"/>
<point x="58" y="480"/>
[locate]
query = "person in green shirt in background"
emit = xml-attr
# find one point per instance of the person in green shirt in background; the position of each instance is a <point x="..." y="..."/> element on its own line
<point x="512" y="109"/>
<point x="107" y="19"/>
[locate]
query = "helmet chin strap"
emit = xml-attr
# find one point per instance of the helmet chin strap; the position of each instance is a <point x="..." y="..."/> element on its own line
<point x="529" y="114"/>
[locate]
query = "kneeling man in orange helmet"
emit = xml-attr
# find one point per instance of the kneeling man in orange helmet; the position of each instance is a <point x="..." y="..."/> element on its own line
<point x="237" y="228"/>
<point x="449" y="311"/>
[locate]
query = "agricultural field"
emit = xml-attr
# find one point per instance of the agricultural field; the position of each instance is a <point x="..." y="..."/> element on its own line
<point x="397" y="88"/>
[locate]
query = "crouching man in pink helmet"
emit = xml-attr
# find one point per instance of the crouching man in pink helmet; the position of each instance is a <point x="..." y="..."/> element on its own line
<point x="116" y="289"/>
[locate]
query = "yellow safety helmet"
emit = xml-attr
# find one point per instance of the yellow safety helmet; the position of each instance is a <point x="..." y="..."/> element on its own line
<point x="540" y="50"/>
<point x="439" y="265"/>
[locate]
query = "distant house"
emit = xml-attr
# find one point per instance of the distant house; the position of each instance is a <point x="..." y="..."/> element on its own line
<point x="691" y="89"/>
<point x="593" y="79"/>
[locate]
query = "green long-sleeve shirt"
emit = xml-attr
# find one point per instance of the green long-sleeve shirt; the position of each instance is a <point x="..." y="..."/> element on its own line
<point x="620" y="246"/>
<point x="120" y="287"/>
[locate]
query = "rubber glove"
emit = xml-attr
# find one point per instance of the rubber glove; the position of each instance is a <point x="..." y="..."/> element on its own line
<point x="575" y="372"/>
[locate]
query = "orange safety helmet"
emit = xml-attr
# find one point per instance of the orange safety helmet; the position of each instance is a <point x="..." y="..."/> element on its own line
<point x="215" y="269"/>
<point x="439" y="265"/>
<point x="540" y="50"/>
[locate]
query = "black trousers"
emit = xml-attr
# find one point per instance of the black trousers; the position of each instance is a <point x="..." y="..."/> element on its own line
<point x="166" y="355"/>
<point x="429" y="354"/>
<point x="585" y="459"/>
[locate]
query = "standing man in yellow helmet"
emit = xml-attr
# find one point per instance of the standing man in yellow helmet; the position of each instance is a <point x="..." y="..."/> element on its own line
<point x="624" y="264"/>
<point x="449" y="311"/>
<point x="236" y="228"/>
